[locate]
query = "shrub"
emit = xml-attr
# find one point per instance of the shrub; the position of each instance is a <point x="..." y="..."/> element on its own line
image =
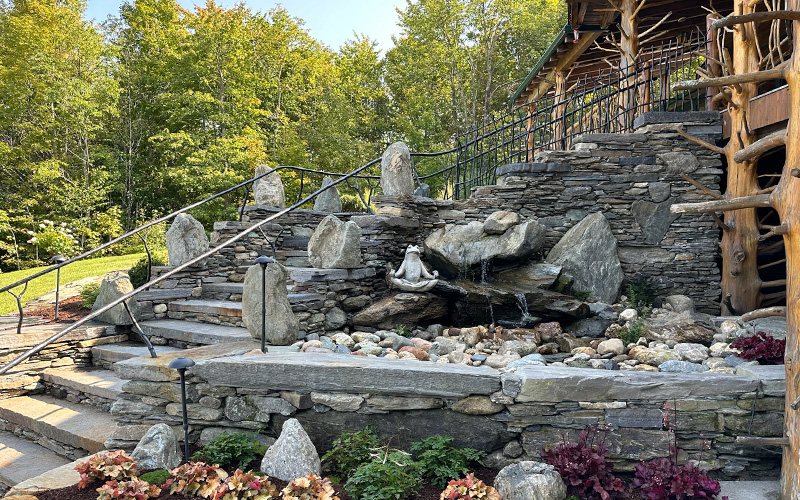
<point x="230" y="448"/>
<point x="663" y="479"/>
<point x="402" y="330"/>
<point x="311" y="487"/>
<point x="440" y="462"/>
<point x="584" y="467"/>
<point x="761" y="347"/>
<point x="642" y="293"/>
<point x="134" y="489"/>
<point x="581" y="294"/>
<point x="158" y="477"/>
<point x="393" y="476"/>
<point x="469" y="487"/>
<point x="196" y="478"/>
<point x="350" y="451"/>
<point x="138" y="273"/>
<point x="634" y="331"/>
<point x="243" y="485"/>
<point x="89" y="294"/>
<point x="116" y="465"/>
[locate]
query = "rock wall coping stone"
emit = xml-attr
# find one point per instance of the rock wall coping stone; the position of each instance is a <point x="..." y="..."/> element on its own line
<point x="352" y="374"/>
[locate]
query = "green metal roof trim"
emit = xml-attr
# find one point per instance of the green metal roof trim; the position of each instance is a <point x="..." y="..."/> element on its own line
<point x="548" y="54"/>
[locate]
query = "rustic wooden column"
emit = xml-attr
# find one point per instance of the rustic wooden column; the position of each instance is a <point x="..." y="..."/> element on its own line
<point x="559" y="109"/>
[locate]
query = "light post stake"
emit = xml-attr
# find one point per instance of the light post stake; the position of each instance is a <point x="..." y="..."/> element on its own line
<point x="263" y="260"/>
<point x="57" y="259"/>
<point x="181" y="364"/>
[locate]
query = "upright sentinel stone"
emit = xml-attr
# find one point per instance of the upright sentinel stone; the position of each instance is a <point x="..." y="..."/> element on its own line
<point x="328" y="200"/>
<point x="114" y="285"/>
<point x="282" y="324"/>
<point x="396" y="175"/>
<point x="268" y="190"/>
<point x="186" y="239"/>
<point x="335" y="244"/>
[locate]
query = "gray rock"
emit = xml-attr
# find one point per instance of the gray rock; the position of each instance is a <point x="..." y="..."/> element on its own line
<point x="368" y="348"/>
<point x="680" y="303"/>
<point x="158" y="449"/>
<point x="423" y="190"/>
<point x="338" y="402"/>
<point x="694" y="353"/>
<point x="114" y="285"/>
<point x="679" y="162"/>
<point x="539" y="274"/>
<point x="282" y="326"/>
<point x="499" y="222"/>
<point x="396" y="175"/>
<point x="454" y="248"/>
<point x="501" y="360"/>
<point x="328" y="200"/>
<point x="530" y="480"/>
<point x="335" y="319"/>
<point x="335" y="244"/>
<point x="398" y="342"/>
<point x="679" y="327"/>
<point x="615" y="346"/>
<point x="340" y="349"/>
<point x="477" y="405"/>
<point x="654" y="219"/>
<point x="269" y="190"/>
<point x="402" y="309"/>
<point x="659" y="191"/>
<point x="186" y="239"/>
<point x="588" y="252"/>
<point x="594" y="327"/>
<point x="530" y="359"/>
<point x="293" y="455"/>
<point x="682" y="367"/>
<point x="519" y="347"/>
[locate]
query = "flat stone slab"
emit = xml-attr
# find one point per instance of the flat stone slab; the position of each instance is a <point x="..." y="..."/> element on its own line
<point x="34" y="334"/>
<point x="21" y="459"/>
<point x="157" y="370"/>
<point x="306" y="274"/>
<point x="532" y="168"/>
<point x="351" y="374"/>
<point x="772" y="377"/>
<point x="750" y="490"/>
<point x="205" y="306"/>
<point x="164" y="294"/>
<point x="555" y="384"/>
<point x="659" y="117"/>
<point x="113" y="353"/>
<point x="74" y="424"/>
<point x="60" y="477"/>
<point x="193" y="332"/>
<point x="101" y="383"/>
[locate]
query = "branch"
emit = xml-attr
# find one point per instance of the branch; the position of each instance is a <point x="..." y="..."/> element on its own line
<point x="760" y="76"/>
<point x="761" y="146"/>
<point x="719" y="222"/>
<point x="701" y="142"/>
<point x="650" y="30"/>
<point x="702" y="187"/>
<point x="777" y="295"/>
<point x="773" y="284"/>
<point x="755" y="201"/>
<point x="764" y="313"/>
<point x="773" y="246"/>
<point x="757" y="17"/>
<point x="776" y="263"/>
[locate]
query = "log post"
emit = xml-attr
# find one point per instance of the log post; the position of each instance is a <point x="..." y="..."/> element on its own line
<point x="559" y="110"/>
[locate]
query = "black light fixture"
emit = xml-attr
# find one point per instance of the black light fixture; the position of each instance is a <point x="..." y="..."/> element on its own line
<point x="57" y="259"/>
<point x="263" y="260"/>
<point x="181" y="364"/>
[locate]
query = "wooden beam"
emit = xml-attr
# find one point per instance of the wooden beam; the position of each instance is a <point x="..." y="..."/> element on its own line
<point x="762" y="441"/>
<point x="761" y="76"/>
<point x="767" y="312"/>
<point x="756" y="17"/>
<point x="761" y="146"/>
<point x="563" y="63"/>
<point x="755" y="201"/>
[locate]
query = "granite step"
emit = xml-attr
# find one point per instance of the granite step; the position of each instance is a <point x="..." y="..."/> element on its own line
<point x="73" y="424"/>
<point x="194" y="333"/>
<point x="97" y="382"/>
<point x="21" y="460"/>
<point x="237" y="288"/>
<point x="212" y="307"/>
<point x="111" y="353"/>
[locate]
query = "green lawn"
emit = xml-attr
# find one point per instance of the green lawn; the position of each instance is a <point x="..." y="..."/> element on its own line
<point x="72" y="272"/>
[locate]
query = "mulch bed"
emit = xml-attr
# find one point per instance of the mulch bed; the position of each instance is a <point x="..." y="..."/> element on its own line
<point x="428" y="492"/>
<point x="69" y="311"/>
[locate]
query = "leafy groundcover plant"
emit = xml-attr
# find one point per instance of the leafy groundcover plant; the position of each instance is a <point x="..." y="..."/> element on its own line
<point x="663" y="479"/>
<point x="761" y="347"/>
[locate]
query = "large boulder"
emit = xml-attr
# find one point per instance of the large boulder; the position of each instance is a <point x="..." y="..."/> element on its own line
<point x="454" y="248"/>
<point x="114" y="285"/>
<point x="293" y="455"/>
<point x="186" y="239"/>
<point x="328" y="200"/>
<point x="528" y="480"/>
<point x="158" y="449"/>
<point x="402" y="309"/>
<point x="680" y="327"/>
<point x="268" y="190"/>
<point x="396" y="175"/>
<point x="282" y="325"/>
<point x="588" y="252"/>
<point x="335" y="244"/>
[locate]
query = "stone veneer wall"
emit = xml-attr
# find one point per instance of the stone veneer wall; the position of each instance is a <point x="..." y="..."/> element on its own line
<point x="510" y="415"/>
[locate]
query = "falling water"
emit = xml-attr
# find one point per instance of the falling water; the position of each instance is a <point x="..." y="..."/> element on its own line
<point x="522" y="304"/>
<point x="491" y="310"/>
<point x="484" y="270"/>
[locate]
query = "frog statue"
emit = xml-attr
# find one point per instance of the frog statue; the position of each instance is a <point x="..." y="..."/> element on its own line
<point x="412" y="275"/>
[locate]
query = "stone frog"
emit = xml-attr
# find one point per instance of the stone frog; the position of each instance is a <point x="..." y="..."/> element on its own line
<point x="412" y="275"/>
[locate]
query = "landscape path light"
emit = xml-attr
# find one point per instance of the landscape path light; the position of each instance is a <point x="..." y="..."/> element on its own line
<point x="57" y="259"/>
<point x="181" y="364"/>
<point x="263" y="260"/>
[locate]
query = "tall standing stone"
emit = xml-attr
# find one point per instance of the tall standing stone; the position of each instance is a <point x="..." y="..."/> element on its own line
<point x="588" y="252"/>
<point x="282" y="325"/>
<point x="335" y="244"/>
<point x="328" y="200"/>
<point x="186" y="239"/>
<point x="396" y="175"/>
<point x="114" y="285"/>
<point x="293" y="455"/>
<point x="158" y="449"/>
<point x="268" y="190"/>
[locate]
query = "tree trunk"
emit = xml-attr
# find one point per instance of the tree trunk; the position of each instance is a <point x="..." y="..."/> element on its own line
<point x="740" y="278"/>
<point x="629" y="57"/>
<point x="559" y="111"/>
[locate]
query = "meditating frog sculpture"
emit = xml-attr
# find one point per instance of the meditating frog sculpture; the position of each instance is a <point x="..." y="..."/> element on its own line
<point x="412" y="275"/>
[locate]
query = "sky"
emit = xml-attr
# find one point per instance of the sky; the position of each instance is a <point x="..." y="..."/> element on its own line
<point x="329" y="21"/>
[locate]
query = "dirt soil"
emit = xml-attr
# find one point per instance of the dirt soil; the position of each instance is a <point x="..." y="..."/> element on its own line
<point x="69" y="311"/>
